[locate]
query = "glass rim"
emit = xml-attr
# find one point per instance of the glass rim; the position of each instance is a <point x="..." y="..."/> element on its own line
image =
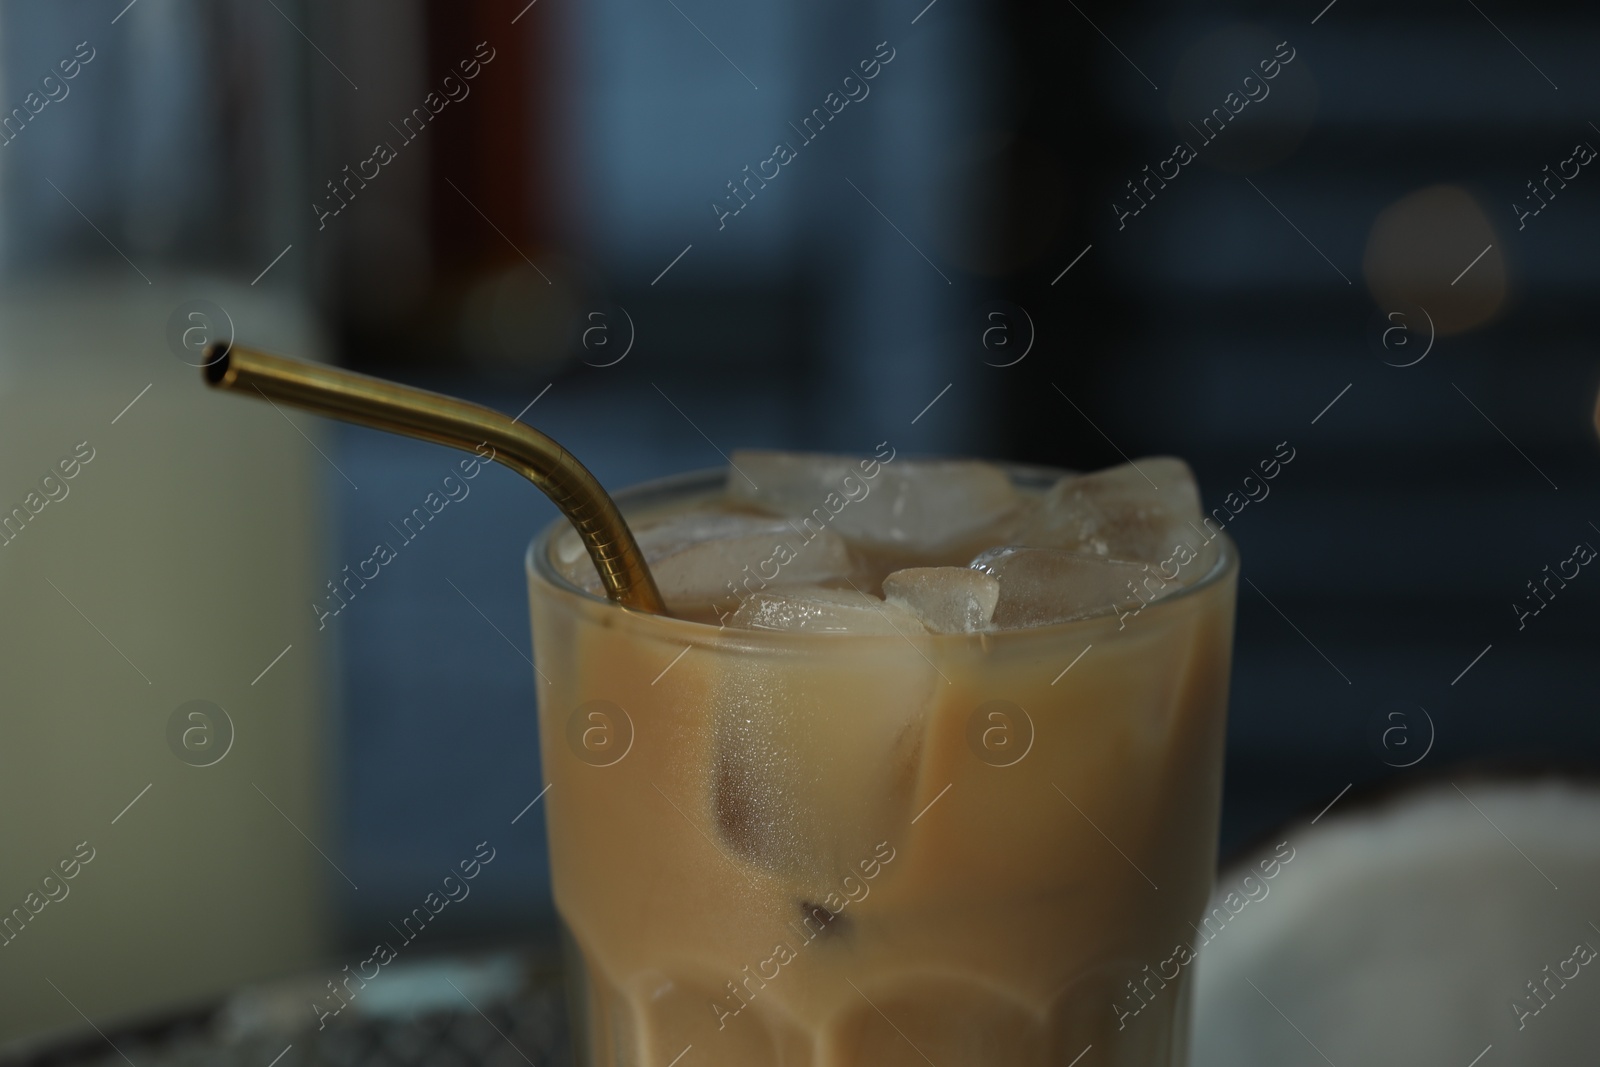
<point x="537" y="561"/>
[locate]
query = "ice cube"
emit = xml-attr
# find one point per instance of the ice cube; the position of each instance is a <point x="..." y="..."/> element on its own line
<point x="696" y="556"/>
<point x="707" y="559"/>
<point x="813" y="768"/>
<point x="568" y="550"/>
<point x="1039" y="586"/>
<point x="948" y="600"/>
<point x="818" y="610"/>
<point x="917" y="505"/>
<point x="1139" y="511"/>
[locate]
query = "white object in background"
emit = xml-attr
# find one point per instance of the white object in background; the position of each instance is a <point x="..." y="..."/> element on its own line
<point x="175" y="564"/>
<point x="1409" y="933"/>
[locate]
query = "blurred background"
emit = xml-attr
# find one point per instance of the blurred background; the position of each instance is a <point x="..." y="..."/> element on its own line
<point x="1379" y="260"/>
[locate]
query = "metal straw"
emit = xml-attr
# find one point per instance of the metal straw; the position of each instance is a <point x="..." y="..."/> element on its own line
<point x="445" y="420"/>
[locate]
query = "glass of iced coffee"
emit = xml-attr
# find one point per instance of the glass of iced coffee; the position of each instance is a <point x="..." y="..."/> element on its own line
<point x="925" y="769"/>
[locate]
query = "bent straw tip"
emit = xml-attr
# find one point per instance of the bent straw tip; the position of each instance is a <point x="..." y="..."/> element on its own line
<point x="214" y="371"/>
<point x="444" y="420"/>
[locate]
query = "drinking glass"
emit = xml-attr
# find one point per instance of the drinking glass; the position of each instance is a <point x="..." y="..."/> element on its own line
<point x="873" y="850"/>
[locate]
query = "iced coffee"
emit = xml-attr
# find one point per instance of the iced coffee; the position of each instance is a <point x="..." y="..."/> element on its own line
<point x="925" y="769"/>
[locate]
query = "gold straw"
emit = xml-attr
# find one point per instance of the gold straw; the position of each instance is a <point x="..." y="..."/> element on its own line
<point x="445" y="420"/>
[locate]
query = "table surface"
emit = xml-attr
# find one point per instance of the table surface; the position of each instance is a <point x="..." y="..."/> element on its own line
<point x="518" y="1016"/>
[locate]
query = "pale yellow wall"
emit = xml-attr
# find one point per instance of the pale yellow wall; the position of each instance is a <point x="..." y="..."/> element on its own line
<point x="192" y="539"/>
